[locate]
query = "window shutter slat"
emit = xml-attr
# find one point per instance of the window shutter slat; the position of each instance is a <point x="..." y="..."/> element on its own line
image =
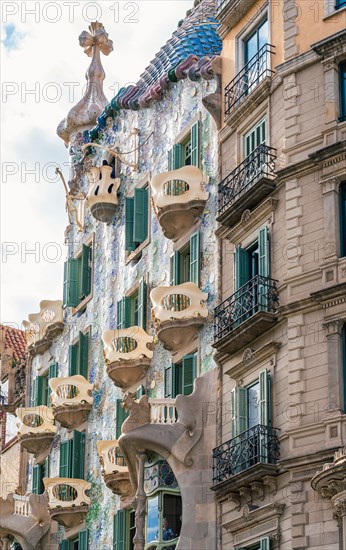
<point x="241" y="267"/>
<point x="130" y="245"/>
<point x="176" y="380"/>
<point x="39" y="391"/>
<point x="142" y="303"/>
<point x="78" y="448"/>
<point x="168" y="381"/>
<point x="195" y="257"/>
<point x="263" y="252"/>
<point x="71" y="283"/>
<point x="121" y="415"/>
<point x="37" y="484"/>
<point x="65" y="459"/>
<point x="83" y="540"/>
<point x="73" y="359"/>
<point x="85" y="275"/>
<point x="195" y="147"/>
<point x="127" y="312"/>
<point x="140" y="226"/>
<point x="264" y="397"/>
<point x="83" y="355"/>
<point x="189" y="373"/>
<point x="177" y="156"/>
<point x="119" y="534"/>
<point x="238" y="410"/>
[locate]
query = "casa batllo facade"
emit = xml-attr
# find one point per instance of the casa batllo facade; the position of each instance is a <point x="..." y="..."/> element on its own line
<point x="120" y="421"/>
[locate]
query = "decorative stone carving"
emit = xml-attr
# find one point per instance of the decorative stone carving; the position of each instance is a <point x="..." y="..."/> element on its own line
<point x="333" y="327"/>
<point x="127" y="355"/>
<point x="114" y="469"/>
<point x="68" y="502"/>
<point x="102" y="197"/>
<point x="43" y="327"/>
<point x="139" y="412"/>
<point x="179" y="199"/>
<point x="36" y="429"/>
<point x="71" y="400"/>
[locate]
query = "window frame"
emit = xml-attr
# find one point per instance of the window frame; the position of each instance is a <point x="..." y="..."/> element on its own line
<point x="342" y="88"/>
<point x="76" y="342"/>
<point x="90" y="242"/>
<point x="245" y="34"/>
<point x="342" y="219"/>
<point x="137" y="252"/>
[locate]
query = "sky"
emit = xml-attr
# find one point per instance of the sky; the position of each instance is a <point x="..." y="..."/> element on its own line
<point x="42" y="77"/>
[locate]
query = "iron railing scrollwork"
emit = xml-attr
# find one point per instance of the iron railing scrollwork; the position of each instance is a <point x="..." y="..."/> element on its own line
<point x="260" y="163"/>
<point x="255" y="70"/>
<point x="258" y="294"/>
<point x="259" y="444"/>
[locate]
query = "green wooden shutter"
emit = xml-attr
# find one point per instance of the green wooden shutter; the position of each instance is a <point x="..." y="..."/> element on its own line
<point x="195" y="147"/>
<point x="265" y="544"/>
<point x="37" y="484"/>
<point x="177" y="379"/>
<point x="65" y="459"/>
<point x="188" y="373"/>
<point x="195" y="258"/>
<point x="73" y="352"/>
<point x="53" y="371"/>
<point x="85" y="274"/>
<point x="241" y="267"/>
<point x="263" y="252"/>
<point x="39" y="391"/>
<point x="78" y="452"/>
<point x="142" y="303"/>
<point x="129" y="223"/>
<point x="127" y="312"/>
<point x="168" y="381"/>
<point x="140" y="225"/>
<point x="119" y="315"/>
<point x="83" y="355"/>
<point x="239" y="410"/>
<point x="177" y="156"/>
<point x="83" y="540"/>
<point x="71" y="283"/>
<point x="174" y="275"/>
<point x="170" y="159"/>
<point x="264" y="397"/>
<point x="120" y="418"/>
<point x="119" y="531"/>
<point x="64" y="545"/>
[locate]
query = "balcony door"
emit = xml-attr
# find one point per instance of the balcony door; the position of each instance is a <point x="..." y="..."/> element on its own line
<point x="255" y="56"/>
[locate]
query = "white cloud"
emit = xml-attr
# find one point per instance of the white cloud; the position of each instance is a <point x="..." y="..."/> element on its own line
<point x="41" y="56"/>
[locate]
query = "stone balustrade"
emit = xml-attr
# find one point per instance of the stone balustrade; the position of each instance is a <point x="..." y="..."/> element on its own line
<point x="42" y="327"/>
<point x="36" y="429"/>
<point x="114" y="468"/>
<point x="163" y="411"/>
<point x="102" y="196"/>
<point x="71" y="400"/>
<point x="21" y="505"/>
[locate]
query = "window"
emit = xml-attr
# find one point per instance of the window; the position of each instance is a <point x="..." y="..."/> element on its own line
<point x="263" y="544"/>
<point x="255" y="137"/>
<point x="163" y="520"/>
<point x="136" y="219"/>
<point x="250" y="406"/>
<point x="124" y="530"/>
<point x="131" y="310"/>
<point x="185" y="264"/>
<point x="77" y="278"/>
<point x="72" y="456"/>
<point x="255" y="56"/>
<point x="187" y="152"/>
<point x="39" y="472"/>
<point x="179" y="377"/>
<point x="342" y="85"/>
<point x="257" y="39"/>
<point x="252" y="261"/>
<point x="79" y="356"/>
<point x="343" y="219"/>
<point x="79" y="543"/>
<point x="40" y="388"/>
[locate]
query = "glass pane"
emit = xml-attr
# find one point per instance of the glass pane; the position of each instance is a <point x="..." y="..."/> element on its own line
<point x="253" y="405"/>
<point x="251" y="47"/>
<point x="153" y="519"/>
<point x="172" y="510"/>
<point x="263" y="34"/>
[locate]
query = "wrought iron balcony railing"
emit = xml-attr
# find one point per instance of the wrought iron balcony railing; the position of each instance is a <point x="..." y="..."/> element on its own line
<point x="258" y="294"/>
<point x="259" y="444"/>
<point x="251" y="75"/>
<point x="260" y="163"/>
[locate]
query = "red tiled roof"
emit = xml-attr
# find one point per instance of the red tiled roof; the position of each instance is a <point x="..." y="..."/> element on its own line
<point x="15" y="339"/>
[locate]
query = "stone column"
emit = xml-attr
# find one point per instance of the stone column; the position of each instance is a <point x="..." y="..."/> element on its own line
<point x="339" y="501"/>
<point x="335" y="373"/>
<point x="140" y="503"/>
<point x="331" y="234"/>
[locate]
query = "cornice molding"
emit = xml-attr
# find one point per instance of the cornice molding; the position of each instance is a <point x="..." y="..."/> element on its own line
<point x="332" y="45"/>
<point x="242" y="526"/>
<point x="249" y="220"/>
<point x="253" y="357"/>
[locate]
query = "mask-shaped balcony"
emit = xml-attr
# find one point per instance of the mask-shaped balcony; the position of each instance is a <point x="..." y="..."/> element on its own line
<point x="71" y="400"/>
<point x="178" y="313"/>
<point x="127" y="356"/>
<point x="179" y="198"/>
<point x="114" y="469"/>
<point x="102" y="196"/>
<point x="68" y="502"/>
<point x="36" y="428"/>
<point x="43" y="327"/>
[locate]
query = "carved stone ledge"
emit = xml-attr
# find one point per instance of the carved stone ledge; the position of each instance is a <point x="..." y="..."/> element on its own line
<point x="254" y="515"/>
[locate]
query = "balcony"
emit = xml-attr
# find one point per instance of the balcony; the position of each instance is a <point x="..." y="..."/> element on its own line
<point x="247" y="314"/>
<point x="25" y="517"/>
<point x="179" y="199"/>
<point x="163" y="411"/>
<point x="102" y="197"/>
<point x="71" y="400"/>
<point x="36" y="429"/>
<point x="247" y="185"/>
<point x="245" y="460"/>
<point x="252" y="81"/>
<point x="178" y="313"/>
<point x="127" y="355"/>
<point x="68" y="502"/>
<point x="43" y="327"/>
<point x="114" y="469"/>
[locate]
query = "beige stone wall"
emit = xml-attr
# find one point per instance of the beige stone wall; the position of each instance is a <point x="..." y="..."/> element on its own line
<point x="10" y="467"/>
